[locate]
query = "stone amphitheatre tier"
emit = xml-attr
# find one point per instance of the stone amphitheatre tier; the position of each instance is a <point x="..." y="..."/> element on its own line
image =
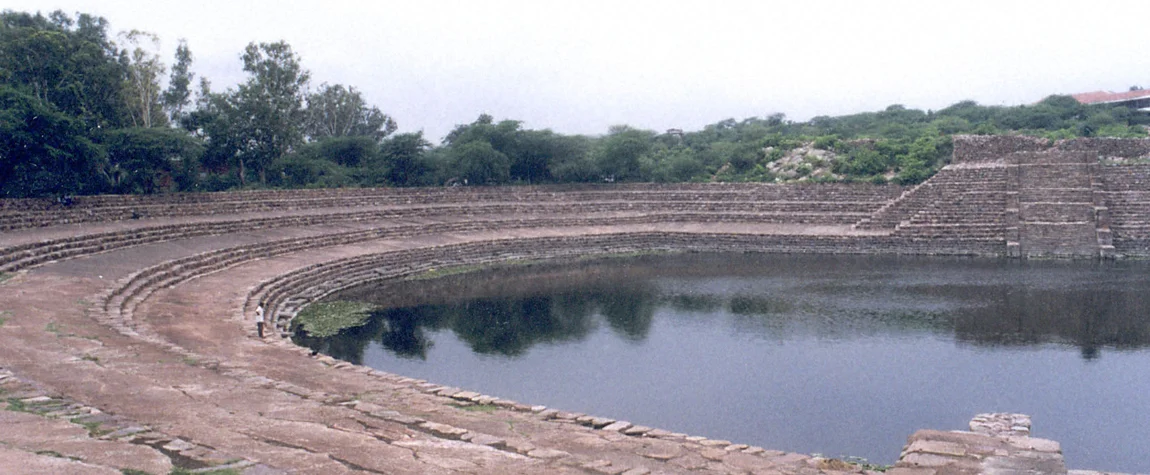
<point x="132" y="315"/>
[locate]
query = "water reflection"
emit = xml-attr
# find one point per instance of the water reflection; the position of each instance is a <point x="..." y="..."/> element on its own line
<point x="506" y="312"/>
<point x="829" y="354"/>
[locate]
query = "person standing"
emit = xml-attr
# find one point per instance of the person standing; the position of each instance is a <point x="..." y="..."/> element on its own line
<point x="260" y="320"/>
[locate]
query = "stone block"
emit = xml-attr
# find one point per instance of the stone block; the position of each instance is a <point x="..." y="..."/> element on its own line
<point x="617" y="426"/>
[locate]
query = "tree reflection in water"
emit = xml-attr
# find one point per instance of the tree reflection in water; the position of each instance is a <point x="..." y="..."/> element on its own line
<point x="504" y="312"/>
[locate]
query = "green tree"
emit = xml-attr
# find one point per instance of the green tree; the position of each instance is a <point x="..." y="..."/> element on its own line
<point x="270" y="103"/>
<point x="150" y="160"/>
<point x="220" y="122"/>
<point x="336" y="111"/>
<point x="178" y="96"/>
<point x="479" y="163"/>
<point x="68" y="63"/>
<point x="44" y="152"/>
<point x="619" y="152"/>
<point x="402" y="157"/>
<point x="572" y="161"/>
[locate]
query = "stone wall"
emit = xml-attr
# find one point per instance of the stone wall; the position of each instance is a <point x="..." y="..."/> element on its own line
<point x="1107" y="147"/>
<point x="1126" y="195"/>
<point x="863" y="198"/>
<point x="988" y="148"/>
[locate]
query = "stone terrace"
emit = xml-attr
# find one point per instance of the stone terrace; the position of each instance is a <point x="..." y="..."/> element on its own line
<point x="127" y="320"/>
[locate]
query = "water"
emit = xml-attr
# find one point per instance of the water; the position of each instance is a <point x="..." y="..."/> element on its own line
<point x="814" y="354"/>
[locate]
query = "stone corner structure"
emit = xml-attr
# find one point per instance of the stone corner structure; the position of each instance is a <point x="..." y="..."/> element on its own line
<point x="997" y="443"/>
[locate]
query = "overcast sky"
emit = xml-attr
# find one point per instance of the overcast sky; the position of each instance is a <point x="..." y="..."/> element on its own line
<point x="580" y="67"/>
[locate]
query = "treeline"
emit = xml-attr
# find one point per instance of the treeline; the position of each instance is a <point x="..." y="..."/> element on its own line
<point x="82" y="112"/>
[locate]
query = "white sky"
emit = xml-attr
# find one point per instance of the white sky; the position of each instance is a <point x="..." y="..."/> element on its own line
<point x="579" y="67"/>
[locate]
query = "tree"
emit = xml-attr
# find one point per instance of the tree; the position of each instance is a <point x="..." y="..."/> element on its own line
<point x="223" y="126"/>
<point x="179" y="93"/>
<point x="44" y="152"/>
<point x="480" y="164"/>
<point x="619" y="154"/>
<point x="144" y="71"/>
<point x="402" y="157"/>
<point x="336" y="111"/>
<point x="68" y="63"/>
<point x="149" y="160"/>
<point x="270" y="104"/>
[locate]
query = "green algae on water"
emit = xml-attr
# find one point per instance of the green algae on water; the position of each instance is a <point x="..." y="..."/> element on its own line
<point x="325" y="319"/>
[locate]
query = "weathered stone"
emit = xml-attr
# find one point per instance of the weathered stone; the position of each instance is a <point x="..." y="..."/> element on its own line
<point x="617" y="426"/>
<point x="178" y="445"/>
<point x="486" y="439"/>
<point x="714" y="443"/>
<point x="600" y="422"/>
<point x="367" y="407"/>
<point x="936" y="447"/>
<point x="548" y="454"/>
<point x="713" y="454"/>
<point x="504" y="403"/>
<point x="1040" y="445"/>
<point x="689" y="461"/>
<point x="36" y="400"/>
<point x="448" y="392"/>
<point x="787" y="457"/>
<point x="934" y="461"/>
<point x="465" y="395"/>
<point x="568" y="416"/>
<point x="637" y="430"/>
<point x="637" y="471"/>
<point x="594" y="464"/>
<point x="127" y="431"/>
<point x="610" y="469"/>
<point x="520" y="446"/>
<point x="443" y="430"/>
<point x="661" y="452"/>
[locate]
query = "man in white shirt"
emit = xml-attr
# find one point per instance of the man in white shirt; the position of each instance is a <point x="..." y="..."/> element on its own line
<point x="260" y="320"/>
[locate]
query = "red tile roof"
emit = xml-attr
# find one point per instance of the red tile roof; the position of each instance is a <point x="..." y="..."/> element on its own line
<point x="1099" y="97"/>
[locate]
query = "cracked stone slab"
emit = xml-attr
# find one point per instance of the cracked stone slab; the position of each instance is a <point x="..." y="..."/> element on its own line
<point x="548" y="454"/>
<point x="443" y="430"/>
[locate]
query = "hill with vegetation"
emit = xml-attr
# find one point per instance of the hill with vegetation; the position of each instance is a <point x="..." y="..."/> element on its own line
<point x="85" y="112"/>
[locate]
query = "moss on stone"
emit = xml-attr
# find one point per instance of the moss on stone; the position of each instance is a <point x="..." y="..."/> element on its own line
<point x="325" y="319"/>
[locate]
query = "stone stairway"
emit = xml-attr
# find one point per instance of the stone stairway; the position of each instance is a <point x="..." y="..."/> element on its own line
<point x="1077" y="199"/>
<point x="1056" y="211"/>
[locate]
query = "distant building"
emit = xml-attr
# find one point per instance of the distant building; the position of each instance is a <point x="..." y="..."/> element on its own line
<point x="675" y="132"/>
<point x="1138" y="99"/>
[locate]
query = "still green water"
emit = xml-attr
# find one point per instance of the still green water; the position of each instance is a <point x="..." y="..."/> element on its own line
<point x="837" y="355"/>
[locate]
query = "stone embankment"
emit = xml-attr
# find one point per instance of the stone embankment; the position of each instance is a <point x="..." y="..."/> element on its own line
<point x="133" y="314"/>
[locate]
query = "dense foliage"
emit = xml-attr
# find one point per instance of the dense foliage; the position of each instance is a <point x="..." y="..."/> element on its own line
<point x="81" y="113"/>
